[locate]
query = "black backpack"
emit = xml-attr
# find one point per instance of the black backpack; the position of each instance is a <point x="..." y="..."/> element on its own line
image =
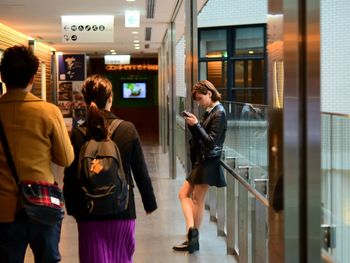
<point x="102" y="182"/>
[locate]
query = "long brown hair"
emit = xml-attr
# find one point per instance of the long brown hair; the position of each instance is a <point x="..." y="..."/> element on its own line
<point x="96" y="90"/>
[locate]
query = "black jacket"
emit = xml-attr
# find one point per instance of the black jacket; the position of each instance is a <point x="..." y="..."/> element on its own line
<point x="208" y="136"/>
<point x="128" y="142"/>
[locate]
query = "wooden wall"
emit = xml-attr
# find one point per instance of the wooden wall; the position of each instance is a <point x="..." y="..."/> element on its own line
<point x="10" y="37"/>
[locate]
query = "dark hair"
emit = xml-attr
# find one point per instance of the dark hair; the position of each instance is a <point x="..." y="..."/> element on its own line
<point x="18" y="66"/>
<point x="96" y="90"/>
<point x="203" y="87"/>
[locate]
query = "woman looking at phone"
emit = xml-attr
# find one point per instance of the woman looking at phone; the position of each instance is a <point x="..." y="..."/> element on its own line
<point x="208" y="136"/>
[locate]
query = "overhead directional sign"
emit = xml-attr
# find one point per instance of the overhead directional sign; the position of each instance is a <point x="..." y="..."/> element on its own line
<point x="87" y="29"/>
<point x="132" y="19"/>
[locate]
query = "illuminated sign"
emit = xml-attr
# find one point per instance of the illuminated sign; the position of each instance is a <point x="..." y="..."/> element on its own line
<point x="87" y="29"/>
<point x="132" y="19"/>
<point x="117" y="59"/>
<point x="132" y="67"/>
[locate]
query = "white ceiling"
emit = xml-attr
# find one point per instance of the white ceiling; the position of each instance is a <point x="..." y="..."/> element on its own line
<point x="41" y="19"/>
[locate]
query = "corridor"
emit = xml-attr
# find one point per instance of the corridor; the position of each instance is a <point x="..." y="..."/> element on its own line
<point x="158" y="232"/>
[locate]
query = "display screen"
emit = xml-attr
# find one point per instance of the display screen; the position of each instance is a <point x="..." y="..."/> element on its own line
<point x="134" y="90"/>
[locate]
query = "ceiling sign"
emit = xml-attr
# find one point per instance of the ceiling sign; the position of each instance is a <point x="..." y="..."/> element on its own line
<point x="87" y="29"/>
<point x="117" y="59"/>
<point x="132" y="19"/>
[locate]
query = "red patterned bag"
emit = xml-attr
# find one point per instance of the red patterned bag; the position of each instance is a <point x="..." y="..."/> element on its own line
<point x="43" y="202"/>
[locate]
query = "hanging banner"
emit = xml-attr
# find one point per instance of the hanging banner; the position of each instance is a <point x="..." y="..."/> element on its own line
<point x="87" y="29"/>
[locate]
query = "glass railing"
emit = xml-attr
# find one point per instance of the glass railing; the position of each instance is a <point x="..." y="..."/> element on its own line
<point x="247" y="139"/>
<point x="246" y="164"/>
<point x="335" y="193"/>
<point x="240" y="209"/>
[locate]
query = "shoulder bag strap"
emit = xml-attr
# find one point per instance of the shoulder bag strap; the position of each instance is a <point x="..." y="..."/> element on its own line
<point x="7" y="152"/>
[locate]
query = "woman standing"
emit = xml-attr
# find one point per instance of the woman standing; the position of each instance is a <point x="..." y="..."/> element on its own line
<point x="206" y="147"/>
<point x="109" y="238"/>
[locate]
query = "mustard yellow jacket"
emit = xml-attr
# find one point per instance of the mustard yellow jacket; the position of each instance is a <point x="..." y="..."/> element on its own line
<point x="37" y="135"/>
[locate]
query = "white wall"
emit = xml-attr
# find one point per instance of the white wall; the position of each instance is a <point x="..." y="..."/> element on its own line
<point x="335" y="56"/>
<point x="232" y="12"/>
<point x="180" y="68"/>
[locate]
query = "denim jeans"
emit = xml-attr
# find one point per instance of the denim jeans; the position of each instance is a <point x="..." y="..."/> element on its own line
<point x="43" y="240"/>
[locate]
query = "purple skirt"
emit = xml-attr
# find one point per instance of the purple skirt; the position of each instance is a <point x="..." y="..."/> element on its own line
<point x="109" y="241"/>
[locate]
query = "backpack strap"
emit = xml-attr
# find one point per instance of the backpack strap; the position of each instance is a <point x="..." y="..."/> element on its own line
<point x="114" y="126"/>
<point x="82" y="131"/>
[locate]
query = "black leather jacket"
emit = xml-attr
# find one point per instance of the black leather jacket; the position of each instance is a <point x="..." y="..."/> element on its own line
<point x="208" y="136"/>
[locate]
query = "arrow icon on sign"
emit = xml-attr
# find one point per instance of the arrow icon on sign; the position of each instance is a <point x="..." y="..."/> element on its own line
<point x="132" y="19"/>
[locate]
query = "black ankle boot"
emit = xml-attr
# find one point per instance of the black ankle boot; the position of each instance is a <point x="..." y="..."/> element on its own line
<point x="182" y="247"/>
<point x="193" y="240"/>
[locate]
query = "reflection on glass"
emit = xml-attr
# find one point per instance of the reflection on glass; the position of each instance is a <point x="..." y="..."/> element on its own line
<point x="249" y="81"/>
<point x="216" y="73"/>
<point x="249" y="41"/>
<point x="335" y="194"/>
<point x="213" y="43"/>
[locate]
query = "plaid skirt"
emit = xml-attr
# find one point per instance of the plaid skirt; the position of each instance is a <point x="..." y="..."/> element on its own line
<point x="108" y="241"/>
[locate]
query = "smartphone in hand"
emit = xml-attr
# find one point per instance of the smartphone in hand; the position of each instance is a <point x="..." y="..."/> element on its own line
<point x="185" y="114"/>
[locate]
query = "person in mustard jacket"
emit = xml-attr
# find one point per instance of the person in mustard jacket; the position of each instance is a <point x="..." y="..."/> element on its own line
<point x="36" y="135"/>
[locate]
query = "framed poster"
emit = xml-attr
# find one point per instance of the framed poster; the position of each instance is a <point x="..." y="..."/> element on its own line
<point x="71" y="67"/>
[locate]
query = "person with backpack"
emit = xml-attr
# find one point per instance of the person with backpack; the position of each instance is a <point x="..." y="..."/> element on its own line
<point x="108" y="160"/>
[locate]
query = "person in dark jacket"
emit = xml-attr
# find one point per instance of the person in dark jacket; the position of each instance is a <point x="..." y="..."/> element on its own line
<point x="109" y="238"/>
<point x="206" y="146"/>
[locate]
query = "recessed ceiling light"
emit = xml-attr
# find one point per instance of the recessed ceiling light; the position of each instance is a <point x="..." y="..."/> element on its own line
<point x="137" y="47"/>
<point x="134" y="32"/>
<point x="136" y="41"/>
<point x="130" y="0"/>
<point x="112" y="50"/>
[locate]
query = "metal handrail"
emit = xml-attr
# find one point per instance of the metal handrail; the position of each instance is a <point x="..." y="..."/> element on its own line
<point x="251" y="189"/>
<point x="336" y="114"/>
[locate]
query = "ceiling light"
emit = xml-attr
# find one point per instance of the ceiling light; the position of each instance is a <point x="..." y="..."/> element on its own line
<point x="137" y="47"/>
<point x="112" y="50"/>
<point x="136" y="41"/>
<point x="130" y="0"/>
<point x="135" y="32"/>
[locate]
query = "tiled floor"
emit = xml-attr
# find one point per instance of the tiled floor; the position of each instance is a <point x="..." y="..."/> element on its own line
<point x="158" y="232"/>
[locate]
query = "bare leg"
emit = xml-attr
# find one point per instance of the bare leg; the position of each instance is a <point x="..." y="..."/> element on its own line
<point x="187" y="204"/>
<point x="192" y="202"/>
<point x="199" y="192"/>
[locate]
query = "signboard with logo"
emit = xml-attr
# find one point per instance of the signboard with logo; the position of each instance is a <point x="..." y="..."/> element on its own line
<point x="87" y="29"/>
<point x="71" y="74"/>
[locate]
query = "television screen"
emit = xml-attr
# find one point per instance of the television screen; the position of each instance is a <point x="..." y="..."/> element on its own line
<point x="134" y="90"/>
